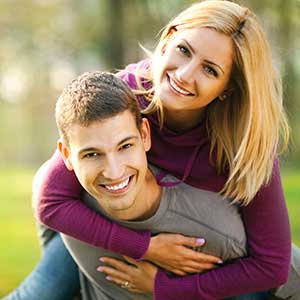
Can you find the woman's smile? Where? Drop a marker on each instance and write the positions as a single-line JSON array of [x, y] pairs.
[[178, 89], [195, 65]]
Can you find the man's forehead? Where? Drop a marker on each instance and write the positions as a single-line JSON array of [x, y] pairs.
[[105, 133]]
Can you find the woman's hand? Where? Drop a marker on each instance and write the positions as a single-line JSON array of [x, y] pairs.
[[135, 276], [177, 253]]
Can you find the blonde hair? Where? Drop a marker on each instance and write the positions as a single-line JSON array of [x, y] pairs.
[[245, 129]]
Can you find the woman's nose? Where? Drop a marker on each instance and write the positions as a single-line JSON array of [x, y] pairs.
[[186, 73]]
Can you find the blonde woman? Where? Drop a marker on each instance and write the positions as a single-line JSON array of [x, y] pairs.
[[213, 99]]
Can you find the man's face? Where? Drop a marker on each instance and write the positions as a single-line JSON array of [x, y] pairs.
[[109, 160]]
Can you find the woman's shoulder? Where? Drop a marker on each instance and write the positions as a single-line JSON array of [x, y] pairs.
[[133, 72]]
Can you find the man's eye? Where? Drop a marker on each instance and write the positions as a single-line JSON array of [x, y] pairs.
[[91, 155], [211, 71], [184, 50], [126, 146]]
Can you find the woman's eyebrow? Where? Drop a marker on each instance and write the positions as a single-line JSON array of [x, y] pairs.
[[212, 63], [206, 60]]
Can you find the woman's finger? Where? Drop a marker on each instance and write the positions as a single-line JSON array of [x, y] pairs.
[[196, 255], [114, 274], [178, 272], [197, 266], [119, 278], [117, 264], [206, 258], [188, 267], [131, 260]]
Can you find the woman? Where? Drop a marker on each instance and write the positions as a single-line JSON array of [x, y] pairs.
[[215, 106]]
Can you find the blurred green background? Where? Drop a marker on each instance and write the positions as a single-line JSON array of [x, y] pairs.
[[46, 43]]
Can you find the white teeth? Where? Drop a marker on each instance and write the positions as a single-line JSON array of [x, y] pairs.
[[177, 88], [117, 186]]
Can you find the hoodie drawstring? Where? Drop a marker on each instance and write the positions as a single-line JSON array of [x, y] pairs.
[[160, 176]]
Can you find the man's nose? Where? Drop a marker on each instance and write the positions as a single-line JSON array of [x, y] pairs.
[[114, 168]]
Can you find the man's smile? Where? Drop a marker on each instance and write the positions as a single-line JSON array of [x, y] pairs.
[[118, 188]]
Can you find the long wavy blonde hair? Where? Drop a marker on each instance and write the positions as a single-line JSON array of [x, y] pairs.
[[248, 129]]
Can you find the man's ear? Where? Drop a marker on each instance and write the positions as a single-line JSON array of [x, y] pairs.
[[146, 134], [65, 154]]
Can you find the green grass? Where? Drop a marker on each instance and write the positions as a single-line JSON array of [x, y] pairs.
[[19, 250], [291, 186]]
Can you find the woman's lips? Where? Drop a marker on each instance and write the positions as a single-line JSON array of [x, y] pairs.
[[177, 88]]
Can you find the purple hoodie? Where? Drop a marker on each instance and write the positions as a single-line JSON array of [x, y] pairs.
[[265, 218]]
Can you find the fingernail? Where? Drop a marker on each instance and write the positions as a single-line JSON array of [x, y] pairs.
[[108, 278], [100, 269], [200, 241], [220, 262], [102, 259]]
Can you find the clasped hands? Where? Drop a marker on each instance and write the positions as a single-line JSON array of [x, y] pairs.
[[173, 252]]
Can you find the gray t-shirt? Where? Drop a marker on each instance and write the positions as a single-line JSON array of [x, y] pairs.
[[183, 209]]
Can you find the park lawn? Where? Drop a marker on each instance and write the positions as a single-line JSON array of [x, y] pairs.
[[291, 186], [19, 250]]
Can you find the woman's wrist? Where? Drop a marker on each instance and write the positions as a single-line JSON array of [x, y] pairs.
[[150, 250]]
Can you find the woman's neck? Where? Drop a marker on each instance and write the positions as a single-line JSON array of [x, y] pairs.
[[182, 121]]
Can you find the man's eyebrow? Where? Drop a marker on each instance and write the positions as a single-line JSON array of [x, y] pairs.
[[88, 149], [131, 137], [93, 149], [206, 60]]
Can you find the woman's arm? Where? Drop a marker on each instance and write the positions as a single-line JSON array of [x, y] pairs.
[[60, 208], [267, 266]]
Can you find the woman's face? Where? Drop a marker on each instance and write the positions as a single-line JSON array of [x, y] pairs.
[[194, 68]]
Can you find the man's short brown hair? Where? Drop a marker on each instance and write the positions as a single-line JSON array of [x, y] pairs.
[[91, 97]]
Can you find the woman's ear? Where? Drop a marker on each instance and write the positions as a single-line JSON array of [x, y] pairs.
[[222, 97], [226, 93]]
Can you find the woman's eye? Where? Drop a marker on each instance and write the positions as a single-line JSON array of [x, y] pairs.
[[184, 50], [210, 71]]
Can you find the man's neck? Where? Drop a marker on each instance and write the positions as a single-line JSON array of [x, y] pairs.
[[146, 202], [150, 197]]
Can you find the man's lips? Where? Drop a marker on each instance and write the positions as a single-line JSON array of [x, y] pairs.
[[177, 88], [117, 188]]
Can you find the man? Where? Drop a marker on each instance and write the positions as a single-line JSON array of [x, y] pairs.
[[105, 140]]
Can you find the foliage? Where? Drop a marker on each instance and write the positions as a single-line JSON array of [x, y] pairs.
[[45, 44]]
